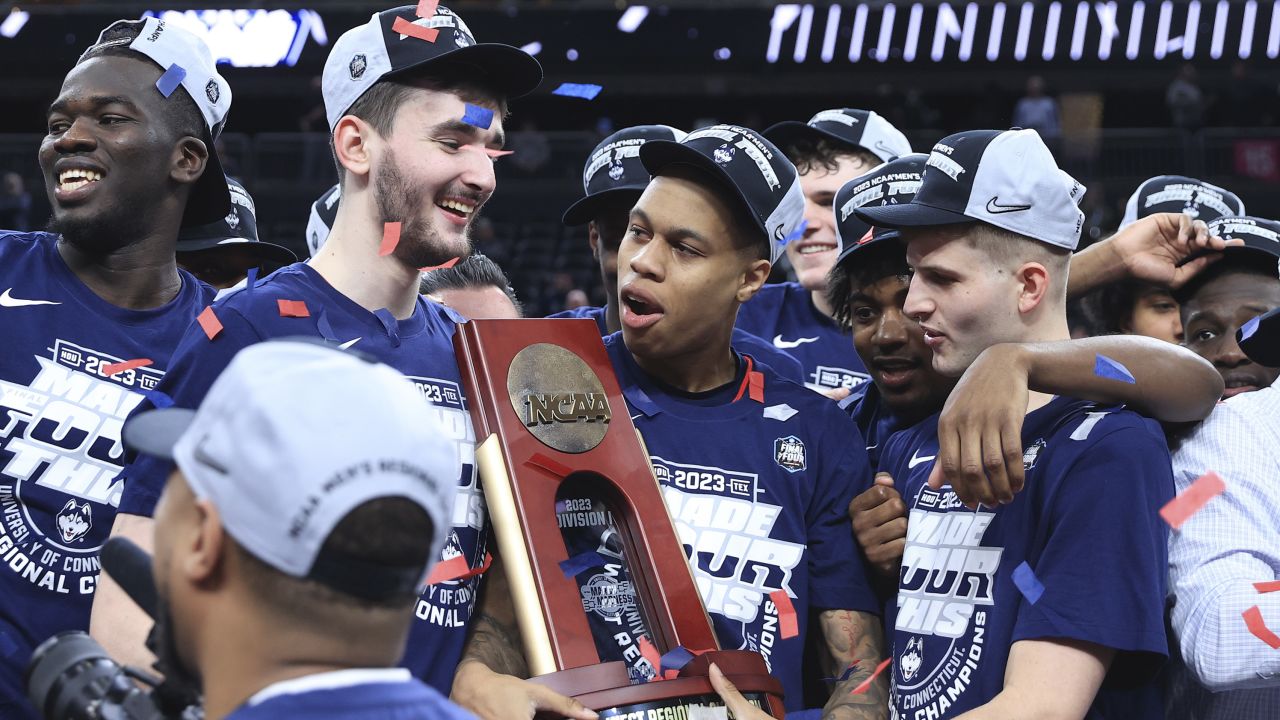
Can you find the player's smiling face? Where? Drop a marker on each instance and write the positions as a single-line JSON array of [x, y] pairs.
[[432, 173], [1213, 315], [109, 153], [681, 275], [815, 252]]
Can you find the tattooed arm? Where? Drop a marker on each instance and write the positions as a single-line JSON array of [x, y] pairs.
[[854, 638]]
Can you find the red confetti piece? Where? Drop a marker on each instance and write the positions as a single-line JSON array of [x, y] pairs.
[[498, 153], [293, 308], [755, 386], [112, 368], [450, 569], [444, 266], [427, 8], [1266, 587], [390, 238], [1191, 500], [650, 653], [209, 322], [1253, 619], [788, 627], [551, 465], [404, 27], [866, 684]]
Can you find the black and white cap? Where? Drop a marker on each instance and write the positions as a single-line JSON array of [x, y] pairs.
[[855, 129], [1178, 194], [1260, 339], [177, 50], [753, 168], [893, 183], [1004, 178], [324, 211], [614, 169], [376, 50], [238, 229], [1261, 237]]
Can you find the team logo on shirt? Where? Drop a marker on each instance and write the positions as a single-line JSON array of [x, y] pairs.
[[912, 658], [788, 452], [74, 521]]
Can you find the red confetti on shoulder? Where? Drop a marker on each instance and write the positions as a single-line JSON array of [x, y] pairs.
[[1190, 501], [404, 27], [112, 368], [866, 684], [209, 322], [1253, 620], [1266, 587], [444, 266], [390, 238], [293, 308], [788, 626]]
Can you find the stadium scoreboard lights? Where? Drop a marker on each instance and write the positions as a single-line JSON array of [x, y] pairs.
[[932, 32], [251, 38]]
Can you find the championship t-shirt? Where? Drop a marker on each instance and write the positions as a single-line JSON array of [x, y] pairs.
[[420, 347], [757, 492], [781, 362], [408, 700], [1088, 528], [61, 411], [872, 417], [784, 314]]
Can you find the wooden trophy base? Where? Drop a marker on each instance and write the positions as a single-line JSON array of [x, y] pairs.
[[607, 689]]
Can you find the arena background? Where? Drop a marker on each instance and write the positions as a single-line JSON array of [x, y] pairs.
[[932, 68]]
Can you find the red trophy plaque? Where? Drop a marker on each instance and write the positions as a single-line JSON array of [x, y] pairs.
[[551, 423]]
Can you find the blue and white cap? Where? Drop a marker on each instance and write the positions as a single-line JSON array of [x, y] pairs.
[[852, 128], [1003, 178], [893, 183], [1179, 194], [614, 169], [753, 168]]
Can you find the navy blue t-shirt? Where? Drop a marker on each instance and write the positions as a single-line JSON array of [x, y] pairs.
[[758, 494], [421, 347], [782, 363], [873, 419], [409, 700], [1087, 525], [784, 314], [60, 451]]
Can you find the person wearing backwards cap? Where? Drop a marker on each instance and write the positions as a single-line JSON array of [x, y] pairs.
[[414, 125], [613, 180], [1223, 298], [126, 166], [832, 148], [1063, 585], [221, 253], [700, 241], [293, 532]]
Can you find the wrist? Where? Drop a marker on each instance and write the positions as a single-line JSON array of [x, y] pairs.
[[469, 677]]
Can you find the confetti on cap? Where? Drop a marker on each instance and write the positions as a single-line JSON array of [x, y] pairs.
[[1248, 329], [866, 684], [788, 627], [1253, 620], [799, 233], [158, 399], [1030, 586], [1267, 587], [1189, 501], [551, 465], [171, 79], [390, 238], [404, 27], [209, 322], [580, 562], [443, 266], [1105, 367], [110, 369], [427, 8], [586, 91], [480, 117], [650, 653], [293, 308]]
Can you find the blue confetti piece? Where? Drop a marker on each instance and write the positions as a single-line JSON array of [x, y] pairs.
[[251, 280], [171, 79], [561, 506], [389, 324], [158, 398], [586, 91], [1027, 582], [1249, 328], [674, 660], [799, 233], [844, 675], [478, 116], [1105, 367], [580, 562], [326, 329]]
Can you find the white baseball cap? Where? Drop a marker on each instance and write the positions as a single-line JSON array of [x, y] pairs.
[[291, 438], [852, 128]]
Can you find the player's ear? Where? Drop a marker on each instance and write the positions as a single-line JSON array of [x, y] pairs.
[[190, 156], [593, 239], [1033, 286], [351, 138], [208, 547], [753, 279]]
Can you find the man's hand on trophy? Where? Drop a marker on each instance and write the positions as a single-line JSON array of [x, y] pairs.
[[494, 696], [739, 707]]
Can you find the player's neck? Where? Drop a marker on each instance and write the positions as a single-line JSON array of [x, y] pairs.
[[611, 320], [819, 300], [139, 276], [349, 261], [703, 368]]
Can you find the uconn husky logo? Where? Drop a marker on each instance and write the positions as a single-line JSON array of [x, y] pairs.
[[74, 521], [912, 658]]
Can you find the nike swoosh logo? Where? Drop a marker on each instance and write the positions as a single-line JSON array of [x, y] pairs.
[[9, 301], [916, 460], [778, 342], [349, 343], [995, 208]]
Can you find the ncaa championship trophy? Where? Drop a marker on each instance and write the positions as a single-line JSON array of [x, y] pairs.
[[553, 432]]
